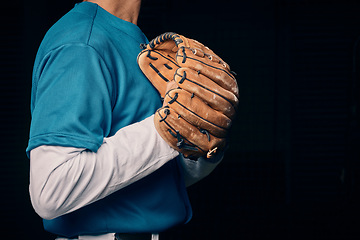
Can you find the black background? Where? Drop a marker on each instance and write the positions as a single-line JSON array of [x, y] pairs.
[[292, 170]]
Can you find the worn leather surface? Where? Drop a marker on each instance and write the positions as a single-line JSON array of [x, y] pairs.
[[202, 101]]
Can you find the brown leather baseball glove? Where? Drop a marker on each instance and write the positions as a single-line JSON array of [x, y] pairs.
[[199, 90]]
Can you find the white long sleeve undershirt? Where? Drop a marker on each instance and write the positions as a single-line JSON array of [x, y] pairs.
[[64, 179]]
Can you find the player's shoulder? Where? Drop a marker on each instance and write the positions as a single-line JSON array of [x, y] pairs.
[[73, 28]]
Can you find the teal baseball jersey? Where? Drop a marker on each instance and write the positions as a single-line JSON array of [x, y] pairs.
[[86, 86]]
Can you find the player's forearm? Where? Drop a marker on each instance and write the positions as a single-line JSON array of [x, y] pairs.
[[63, 179]]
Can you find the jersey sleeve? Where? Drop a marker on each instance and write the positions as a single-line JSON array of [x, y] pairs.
[[72, 98]]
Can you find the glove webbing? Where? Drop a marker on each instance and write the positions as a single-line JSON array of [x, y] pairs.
[[164, 37]]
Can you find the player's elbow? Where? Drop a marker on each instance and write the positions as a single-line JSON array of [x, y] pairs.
[[44, 206]]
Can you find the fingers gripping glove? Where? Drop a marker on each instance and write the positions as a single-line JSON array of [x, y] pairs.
[[196, 114]]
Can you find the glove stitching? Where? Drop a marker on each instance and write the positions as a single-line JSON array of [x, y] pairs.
[[184, 145], [172, 60], [202, 86], [221, 69], [151, 57], [159, 73], [198, 116]]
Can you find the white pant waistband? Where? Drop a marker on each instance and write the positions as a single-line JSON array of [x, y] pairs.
[[113, 236]]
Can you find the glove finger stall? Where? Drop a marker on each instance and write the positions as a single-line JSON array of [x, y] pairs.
[[218, 72], [197, 112], [183, 136], [203, 87]]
